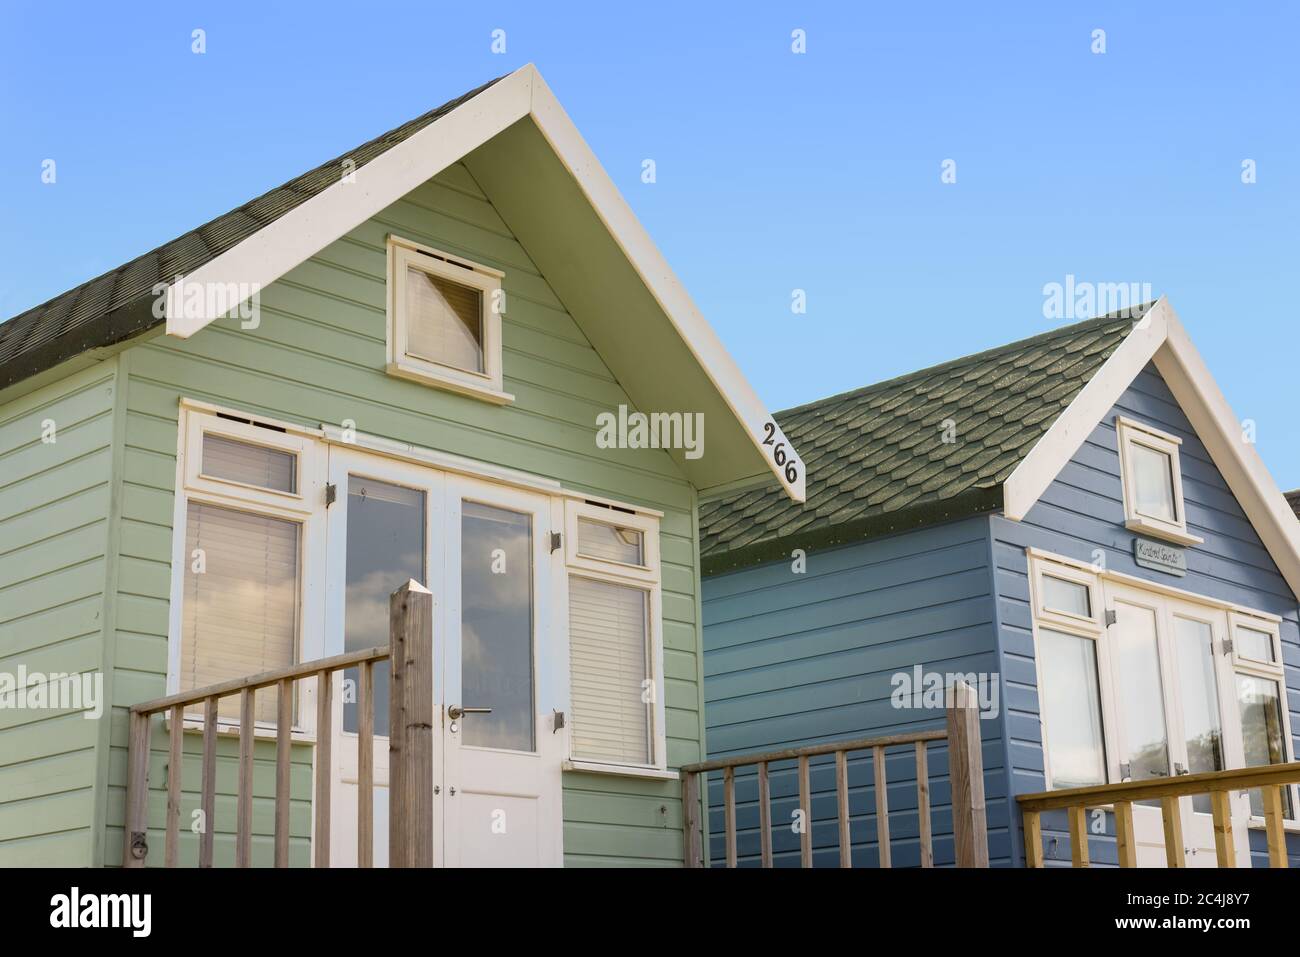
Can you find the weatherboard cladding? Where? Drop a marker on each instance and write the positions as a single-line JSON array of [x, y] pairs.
[[876, 458], [1082, 511], [118, 304]]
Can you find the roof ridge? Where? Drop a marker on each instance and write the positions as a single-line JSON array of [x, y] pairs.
[[452, 103], [1072, 329]]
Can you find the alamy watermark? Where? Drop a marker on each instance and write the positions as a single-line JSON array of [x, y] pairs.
[[654, 430], [53, 691], [1073, 299], [186, 299], [919, 689]]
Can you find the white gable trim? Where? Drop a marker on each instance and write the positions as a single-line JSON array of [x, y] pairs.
[[1165, 342], [272, 251]]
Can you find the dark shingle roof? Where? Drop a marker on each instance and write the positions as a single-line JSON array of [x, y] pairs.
[[1293, 499], [118, 304], [876, 458]]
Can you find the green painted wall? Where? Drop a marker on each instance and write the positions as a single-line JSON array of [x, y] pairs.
[[55, 516], [318, 356]]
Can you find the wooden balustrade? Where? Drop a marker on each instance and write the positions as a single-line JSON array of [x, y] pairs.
[[410, 744], [1272, 781], [966, 776]]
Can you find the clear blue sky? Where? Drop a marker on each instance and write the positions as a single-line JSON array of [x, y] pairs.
[[775, 171]]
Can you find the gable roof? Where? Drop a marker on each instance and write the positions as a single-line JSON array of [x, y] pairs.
[[877, 456], [107, 309], [582, 234], [1021, 413]]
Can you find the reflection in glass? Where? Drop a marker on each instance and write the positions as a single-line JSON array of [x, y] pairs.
[[1261, 729], [445, 321], [1193, 641], [1067, 597], [496, 626], [1254, 644], [1071, 710], [1153, 482], [1141, 695], [385, 549]]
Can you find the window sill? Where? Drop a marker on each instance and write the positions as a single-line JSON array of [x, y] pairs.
[[1258, 824], [1157, 531], [622, 770], [437, 380]]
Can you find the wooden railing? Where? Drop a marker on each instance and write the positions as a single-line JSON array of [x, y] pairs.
[[966, 776], [1271, 780], [410, 750]]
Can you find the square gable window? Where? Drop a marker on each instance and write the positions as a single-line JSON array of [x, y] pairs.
[[1152, 482], [444, 321]]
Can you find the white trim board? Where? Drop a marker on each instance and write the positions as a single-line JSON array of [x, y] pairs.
[[1160, 338], [272, 251]]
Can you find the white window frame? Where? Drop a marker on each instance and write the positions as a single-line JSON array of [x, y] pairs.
[[646, 579], [305, 506], [1226, 666], [488, 384], [1130, 432]]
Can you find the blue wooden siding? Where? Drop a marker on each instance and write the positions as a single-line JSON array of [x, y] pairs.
[[794, 659], [1083, 511]]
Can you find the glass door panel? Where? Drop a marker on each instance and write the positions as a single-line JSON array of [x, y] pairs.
[[1202, 730], [1140, 688]]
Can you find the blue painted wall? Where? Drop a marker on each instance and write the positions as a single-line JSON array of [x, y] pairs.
[[1082, 511], [795, 659]]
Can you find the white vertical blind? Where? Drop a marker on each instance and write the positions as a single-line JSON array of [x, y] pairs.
[[610, 542], [240, 611], [444, 321], [609, 651]]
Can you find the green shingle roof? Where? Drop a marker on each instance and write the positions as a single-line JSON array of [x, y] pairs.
[[876, 458]]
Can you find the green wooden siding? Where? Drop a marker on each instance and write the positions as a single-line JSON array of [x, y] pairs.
[[318, 356], [55, 507]]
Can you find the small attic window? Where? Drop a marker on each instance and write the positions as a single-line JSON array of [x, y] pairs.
[[1152, 482], [444, 321]]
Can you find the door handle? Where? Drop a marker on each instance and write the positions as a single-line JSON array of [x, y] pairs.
[[455, 711]]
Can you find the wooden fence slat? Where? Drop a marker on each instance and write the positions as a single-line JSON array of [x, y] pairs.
[[244, 814], [283, 746], [324, 769], [729, 805], [842, 805], [923, 805], [693, 843], [135, 847], [1033, 839], [1172, 818], [1125, 835], [1078, 816], [765, 813], [882, 808], [175, 764], [1221, 808], [411, 727], [805, 805], [1273, 826], [365, 766], [209, 799]]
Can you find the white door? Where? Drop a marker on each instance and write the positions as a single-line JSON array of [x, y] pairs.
[[1167, 711], [392, 521], [502, 753]]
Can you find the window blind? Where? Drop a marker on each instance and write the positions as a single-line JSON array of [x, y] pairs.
[[240, 611], [609, 652], [251, 464], [444, 321]]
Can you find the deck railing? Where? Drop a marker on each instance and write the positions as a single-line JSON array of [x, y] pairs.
[[1271, 780], [410, 750], [966, 776]]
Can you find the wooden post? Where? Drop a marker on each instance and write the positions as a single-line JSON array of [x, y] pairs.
[[1033, 839], [208, 801], [1221, 807], [324, 768], [175, 756], [1172, 816], [365, 766], [765, 814], [842, 805], [283, 744], [805, 805], [966, 773], [244, 809], [410, 743], [692, 837], [883, 849], [136, 846], [923, 805], [1273, 810], [1125, 836], [729, 813], [1078, 816]]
